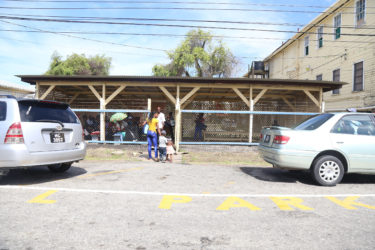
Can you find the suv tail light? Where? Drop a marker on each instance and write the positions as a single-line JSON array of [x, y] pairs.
[[281, 139], [14, 134]]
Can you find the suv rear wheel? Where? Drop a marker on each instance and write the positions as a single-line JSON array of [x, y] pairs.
[[327, 170], [59, 168]]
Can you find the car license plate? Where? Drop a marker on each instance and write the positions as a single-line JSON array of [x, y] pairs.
[[267, 138], [57, 137]]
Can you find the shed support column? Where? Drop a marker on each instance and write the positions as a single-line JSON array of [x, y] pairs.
[[37, 88], [178, 120], [102, 115], [251, 121]]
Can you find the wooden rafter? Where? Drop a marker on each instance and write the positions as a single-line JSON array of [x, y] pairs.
[[312, 97], [93, 90], [73, 98], [257, 98], [50, 88], [188, 95], [242, 96], [288, 103], [167, 94], [114, 94]]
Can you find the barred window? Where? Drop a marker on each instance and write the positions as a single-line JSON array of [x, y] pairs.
[[360, 12], [358, 77], [336, 78], [319, 77], [307, 46], [320, 37], [337, 26]]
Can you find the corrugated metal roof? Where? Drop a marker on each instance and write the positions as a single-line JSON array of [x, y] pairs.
[[17, 87]]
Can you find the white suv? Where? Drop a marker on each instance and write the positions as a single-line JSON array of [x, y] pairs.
[[38, 132]]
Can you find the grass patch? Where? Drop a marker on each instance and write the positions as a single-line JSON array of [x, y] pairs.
[[224, 158], [107, 154]]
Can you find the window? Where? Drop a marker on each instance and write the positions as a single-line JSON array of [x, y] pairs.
[[320, 37], [336, 78], [34, 111], [319, 77], [306, 46], [355, 125], [360, 12], [337, 26], [3, 111], [358, 77], [314, 122]]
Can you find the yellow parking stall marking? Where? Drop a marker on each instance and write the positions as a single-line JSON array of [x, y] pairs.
[[236, 202], [109, 172], [287, 203], [349, 202], [42, 198], [168, 200]]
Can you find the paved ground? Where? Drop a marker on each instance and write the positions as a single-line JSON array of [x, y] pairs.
[[147, 205]]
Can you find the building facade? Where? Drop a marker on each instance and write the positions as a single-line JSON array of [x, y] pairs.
[[338, 45]]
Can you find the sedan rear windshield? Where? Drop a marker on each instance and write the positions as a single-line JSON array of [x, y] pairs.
[[313, 122], [3, 111], [34, 111]]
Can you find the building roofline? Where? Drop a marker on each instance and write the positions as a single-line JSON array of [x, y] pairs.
[[326, 85], [17, 87], [329, 11]]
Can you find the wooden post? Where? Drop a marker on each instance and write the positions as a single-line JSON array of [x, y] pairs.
[[178, 120], [251, 121], [149, 105], [37, 88], [102, 114]]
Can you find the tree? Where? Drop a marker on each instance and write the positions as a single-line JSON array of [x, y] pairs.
[[198, 55], [76, 64]]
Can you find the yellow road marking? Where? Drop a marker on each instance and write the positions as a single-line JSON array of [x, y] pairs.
[[349, 202], [168, 200], [236, 202], [287, 203], [42, 198], [109, 172]]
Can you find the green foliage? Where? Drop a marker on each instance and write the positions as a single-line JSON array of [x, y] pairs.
[[76, 64], [198, 55]]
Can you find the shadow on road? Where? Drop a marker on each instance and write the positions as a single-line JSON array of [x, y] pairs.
[[279, 175], [36, 175]]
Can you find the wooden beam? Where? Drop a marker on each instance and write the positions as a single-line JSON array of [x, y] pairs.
[[188, 95], [166, 92], [312, 98], [257, 98], [242, 96], [189, 101], [93, 90], [114, 94], [45, 94], [288, 103], [73, 98]]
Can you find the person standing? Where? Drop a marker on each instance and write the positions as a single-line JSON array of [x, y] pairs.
[[161, 118], [153, 130], [169, 124], [199, 127], [163, 146]]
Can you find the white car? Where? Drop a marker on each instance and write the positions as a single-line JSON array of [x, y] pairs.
[[38, 132], [328, 145]]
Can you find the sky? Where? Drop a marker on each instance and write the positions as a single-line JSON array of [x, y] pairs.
[[23, 53]]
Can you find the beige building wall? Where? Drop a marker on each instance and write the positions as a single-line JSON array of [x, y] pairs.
[[290, 61]]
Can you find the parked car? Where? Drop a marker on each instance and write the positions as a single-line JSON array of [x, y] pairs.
[[328, 145], [38, 132]]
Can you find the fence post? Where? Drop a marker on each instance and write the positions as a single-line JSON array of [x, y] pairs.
[[178, 120], [251, 121], [102, 115]]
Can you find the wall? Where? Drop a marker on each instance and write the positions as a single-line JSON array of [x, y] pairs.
[[341, 54]]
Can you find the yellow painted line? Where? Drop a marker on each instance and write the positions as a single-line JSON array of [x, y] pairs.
[[109, 172], [42, 198]]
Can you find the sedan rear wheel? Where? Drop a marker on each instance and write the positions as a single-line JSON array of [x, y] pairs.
[[59, 168], [328, 170]]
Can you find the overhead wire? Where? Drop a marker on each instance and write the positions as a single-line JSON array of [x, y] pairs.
[[178, 26]]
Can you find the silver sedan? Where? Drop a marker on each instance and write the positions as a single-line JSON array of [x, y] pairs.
[[328, 145]]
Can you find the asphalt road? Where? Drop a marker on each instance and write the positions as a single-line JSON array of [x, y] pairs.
[[147, 205]]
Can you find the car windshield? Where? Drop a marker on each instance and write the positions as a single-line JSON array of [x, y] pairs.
[[313, 122], [33, 111], [3, 111]]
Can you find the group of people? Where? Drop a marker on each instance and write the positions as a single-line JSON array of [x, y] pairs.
[[155, 127]]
